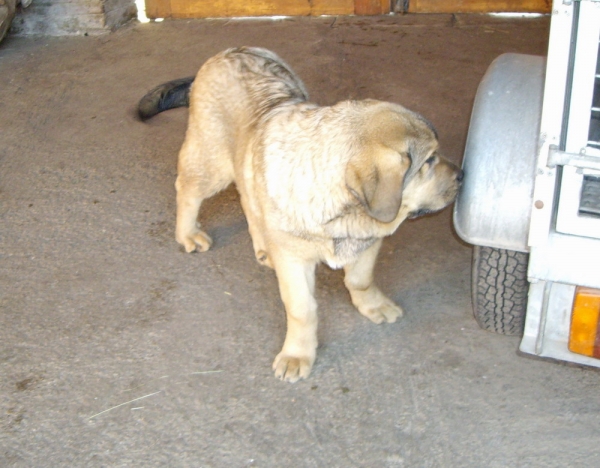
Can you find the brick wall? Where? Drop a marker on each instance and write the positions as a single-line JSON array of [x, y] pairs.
[[72, 17]]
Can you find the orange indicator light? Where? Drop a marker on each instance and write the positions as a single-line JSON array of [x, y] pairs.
[[584, 337]]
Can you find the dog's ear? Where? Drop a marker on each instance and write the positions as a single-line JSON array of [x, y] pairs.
[[376, 179]]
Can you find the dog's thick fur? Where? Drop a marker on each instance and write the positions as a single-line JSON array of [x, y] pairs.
[[317, 184]]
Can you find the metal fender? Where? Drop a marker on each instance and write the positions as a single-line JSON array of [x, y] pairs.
[[493, 208]]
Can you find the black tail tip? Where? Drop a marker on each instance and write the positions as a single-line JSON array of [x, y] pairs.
[[164, 97], [147, 108]]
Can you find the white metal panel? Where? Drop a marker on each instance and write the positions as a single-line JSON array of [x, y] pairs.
[[586, 53], [567, 259], [551, 123]]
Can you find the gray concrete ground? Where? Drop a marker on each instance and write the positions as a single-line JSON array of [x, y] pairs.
[[118, 349]]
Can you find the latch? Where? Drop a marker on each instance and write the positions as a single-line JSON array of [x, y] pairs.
[[580, 160]]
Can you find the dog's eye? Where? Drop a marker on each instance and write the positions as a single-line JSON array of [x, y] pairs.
[[430, 161]]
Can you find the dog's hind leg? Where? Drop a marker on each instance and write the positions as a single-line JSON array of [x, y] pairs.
[[197, 179], [366, 296]]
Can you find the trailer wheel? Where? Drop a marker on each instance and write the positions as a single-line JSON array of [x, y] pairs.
[[499, 288]]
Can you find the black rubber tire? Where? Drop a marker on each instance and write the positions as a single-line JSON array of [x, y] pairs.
[[499, 288]]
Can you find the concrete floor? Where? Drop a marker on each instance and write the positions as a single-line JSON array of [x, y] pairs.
[[117, 349]]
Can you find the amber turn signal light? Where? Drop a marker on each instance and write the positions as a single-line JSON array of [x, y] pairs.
[[584, 337]]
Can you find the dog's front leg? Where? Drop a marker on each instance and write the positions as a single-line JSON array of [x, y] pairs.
[[296, 285], [366, 296]]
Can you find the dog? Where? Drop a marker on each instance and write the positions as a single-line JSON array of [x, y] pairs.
[[316, 183]]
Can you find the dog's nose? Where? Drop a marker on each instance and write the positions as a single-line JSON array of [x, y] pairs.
[[460, 175]]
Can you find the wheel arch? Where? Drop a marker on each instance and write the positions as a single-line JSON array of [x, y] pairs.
[[494, 206]]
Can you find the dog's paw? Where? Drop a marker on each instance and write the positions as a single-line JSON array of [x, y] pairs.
[[198, 240], [291, 369], [387, 311]]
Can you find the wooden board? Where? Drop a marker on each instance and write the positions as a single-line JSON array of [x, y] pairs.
[[479, 6], [230, 8], [372, 7]]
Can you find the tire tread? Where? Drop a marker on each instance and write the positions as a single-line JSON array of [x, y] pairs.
[[500, 289]]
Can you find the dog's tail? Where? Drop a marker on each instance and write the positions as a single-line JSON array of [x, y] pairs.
[[166, 96]]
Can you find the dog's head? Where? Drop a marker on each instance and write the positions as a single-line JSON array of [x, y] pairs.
[[396, 171]]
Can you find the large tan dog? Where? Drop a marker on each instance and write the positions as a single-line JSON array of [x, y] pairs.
[[317, 184]]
